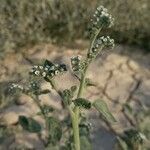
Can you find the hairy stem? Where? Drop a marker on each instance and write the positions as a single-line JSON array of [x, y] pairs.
[[94, 39], [75, 113], [75, 126], [75, 118]]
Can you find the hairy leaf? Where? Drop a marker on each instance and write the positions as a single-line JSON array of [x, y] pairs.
[[84, 129], [134, 136], [67, 96], [48, 63], [122, 144], [47, 109], [127, 108], [46, 91], [73, 89], [101, 106], [88, 82], [81, 102], [29, 124], [55, 130], [85, 143], [52, 147]]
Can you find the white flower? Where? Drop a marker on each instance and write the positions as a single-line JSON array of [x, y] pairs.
[[35, 66], [73, 62], [44, 74], [41, 67], [37, 72], [96, 12], [56, 72], [46, 69], [52, 74], [52, 68], [97, 46]]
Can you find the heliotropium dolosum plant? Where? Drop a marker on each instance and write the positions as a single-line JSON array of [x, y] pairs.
[[72, 97]]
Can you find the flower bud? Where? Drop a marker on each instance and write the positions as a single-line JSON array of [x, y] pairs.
[[100, 19], [77, 64]]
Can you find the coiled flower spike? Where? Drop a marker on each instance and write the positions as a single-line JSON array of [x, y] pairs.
[[48, 70], [77, 64], [100, 42], [102, 18]]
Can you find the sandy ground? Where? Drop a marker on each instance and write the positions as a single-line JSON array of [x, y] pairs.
[[122, 76]]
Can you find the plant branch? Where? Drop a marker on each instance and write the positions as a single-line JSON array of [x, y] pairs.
[[75, 118]]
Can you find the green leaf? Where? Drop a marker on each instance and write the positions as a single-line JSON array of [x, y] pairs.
[[47, 79], [48, 63], [73, 89], [46, 91], [88, 82], [85, 143], [127, 108], [81, 102], [55, 130], [29, 124], [84, 129], [67, 96], [122, 144], [134, 136], [47, 109], [101, 106], [52, 147]]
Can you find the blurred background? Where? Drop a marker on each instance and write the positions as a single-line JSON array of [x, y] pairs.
[[32, 30], [28, 22]]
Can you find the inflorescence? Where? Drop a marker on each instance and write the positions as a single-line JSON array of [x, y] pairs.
[[33, 86], [77, 64], [48, 70], [102, 18], [71, 97], [15, 86], [100, 42]]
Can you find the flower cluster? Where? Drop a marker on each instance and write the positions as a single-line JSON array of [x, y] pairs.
[[134, 136], [77, 64], [15, 87], [102, 18], [106, 41], [48, 70], [34, 87], [100, 42]]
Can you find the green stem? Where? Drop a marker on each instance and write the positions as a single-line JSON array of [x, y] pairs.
[[94, 38], [53, 84], [75, 117], [81, 87], [75, 126], [75, 113]]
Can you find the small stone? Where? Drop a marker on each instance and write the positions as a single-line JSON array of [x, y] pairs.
[[9, 118], [133, 65], [28, 141], [117, 90], [22, 99]]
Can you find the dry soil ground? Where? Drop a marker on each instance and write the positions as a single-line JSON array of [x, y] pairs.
[[122, 75]]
